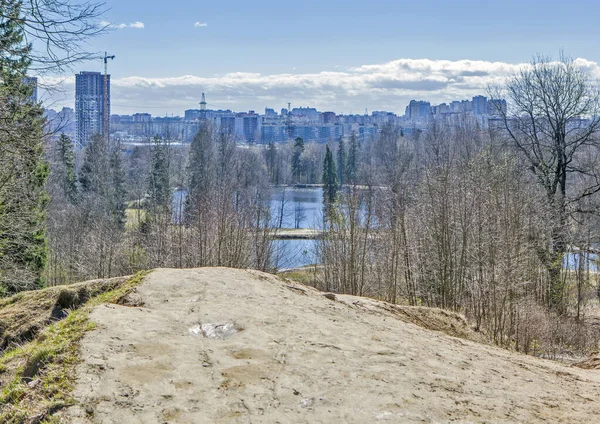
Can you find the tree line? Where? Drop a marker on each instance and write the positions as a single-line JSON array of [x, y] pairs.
[[498, 223]]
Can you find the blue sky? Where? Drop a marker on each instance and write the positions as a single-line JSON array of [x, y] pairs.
[[249, 55]]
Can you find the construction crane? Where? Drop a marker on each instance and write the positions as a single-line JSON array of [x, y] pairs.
[[106, 115]]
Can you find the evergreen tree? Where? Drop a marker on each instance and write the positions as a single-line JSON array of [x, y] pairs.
[[330, 182], [117, 189], [94, 170], [159, 186], [352, 162], [199, 170], [102, 181], [226, 152], [271, 163], [297, 166], [23, 171], [341, 159], [63, 167]]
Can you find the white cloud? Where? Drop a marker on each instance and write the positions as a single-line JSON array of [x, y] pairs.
[[136, 25], [200, 24], [386, 86]]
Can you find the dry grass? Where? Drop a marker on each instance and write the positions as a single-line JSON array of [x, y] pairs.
[[309, 275], [38, 375], [450, 323], [23, 315]]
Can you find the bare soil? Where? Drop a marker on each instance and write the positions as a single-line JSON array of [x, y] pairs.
[[217, 345]]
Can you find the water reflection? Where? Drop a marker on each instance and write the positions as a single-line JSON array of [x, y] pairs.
[[296, 207], [290, 208]]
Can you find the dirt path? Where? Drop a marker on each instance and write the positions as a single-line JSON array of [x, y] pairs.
[[299, 357]]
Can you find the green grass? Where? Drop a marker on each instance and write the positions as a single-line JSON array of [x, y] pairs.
[[306, 276], [39, 376]]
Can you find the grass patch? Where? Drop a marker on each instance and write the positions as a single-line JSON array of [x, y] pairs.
[[307, 276], [25, 314], [133, 217], [38, 376]]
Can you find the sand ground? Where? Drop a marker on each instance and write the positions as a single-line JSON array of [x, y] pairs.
[[299, 357]]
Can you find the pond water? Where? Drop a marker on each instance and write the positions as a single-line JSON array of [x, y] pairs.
[[290, 208], [590, 261], [303, 208], [295, 208]]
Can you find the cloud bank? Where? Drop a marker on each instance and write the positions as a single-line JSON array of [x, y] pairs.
[[200, 24], [387, 86], [135, 25]]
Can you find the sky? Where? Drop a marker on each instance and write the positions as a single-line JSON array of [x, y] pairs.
[[343, 56]]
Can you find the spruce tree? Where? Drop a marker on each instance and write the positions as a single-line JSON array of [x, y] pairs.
[[63, 168], [199, 170], [341, 159], [23, 171], [271, 163], [330, 182], [159, 186], [352, 162], [297, 168], [94, 170], [102, 181], [117, 189]]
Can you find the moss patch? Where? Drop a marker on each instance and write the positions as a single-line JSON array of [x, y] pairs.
[[37, 377], [25, 314], [307, 275]]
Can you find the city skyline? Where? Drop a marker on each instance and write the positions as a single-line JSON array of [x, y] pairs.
[[308, 123], [335, 55], [389, 87]]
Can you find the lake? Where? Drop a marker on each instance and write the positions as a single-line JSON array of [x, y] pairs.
[[290, 208], [295, 208]]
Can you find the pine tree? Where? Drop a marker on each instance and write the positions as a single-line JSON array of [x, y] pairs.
[[23, 171], [330, 182], [341, 159], [352, 162]]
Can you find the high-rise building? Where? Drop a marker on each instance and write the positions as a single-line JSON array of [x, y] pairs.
[[329, 117], [89, 105], [417, 110], [480, 105]]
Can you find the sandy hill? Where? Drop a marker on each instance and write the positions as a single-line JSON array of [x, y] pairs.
[[218, 345]]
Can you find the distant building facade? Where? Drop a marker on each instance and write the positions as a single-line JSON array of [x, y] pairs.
[[496, 107], [89, 105], [479, 105], [418, 110]]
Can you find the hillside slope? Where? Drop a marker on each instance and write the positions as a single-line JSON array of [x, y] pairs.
[[285, 353]]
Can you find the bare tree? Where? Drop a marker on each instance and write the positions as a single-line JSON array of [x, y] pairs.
[[57, 30], [552, 121]]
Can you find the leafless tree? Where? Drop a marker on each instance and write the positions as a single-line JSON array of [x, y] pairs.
[[58, 29], [553, 121]]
